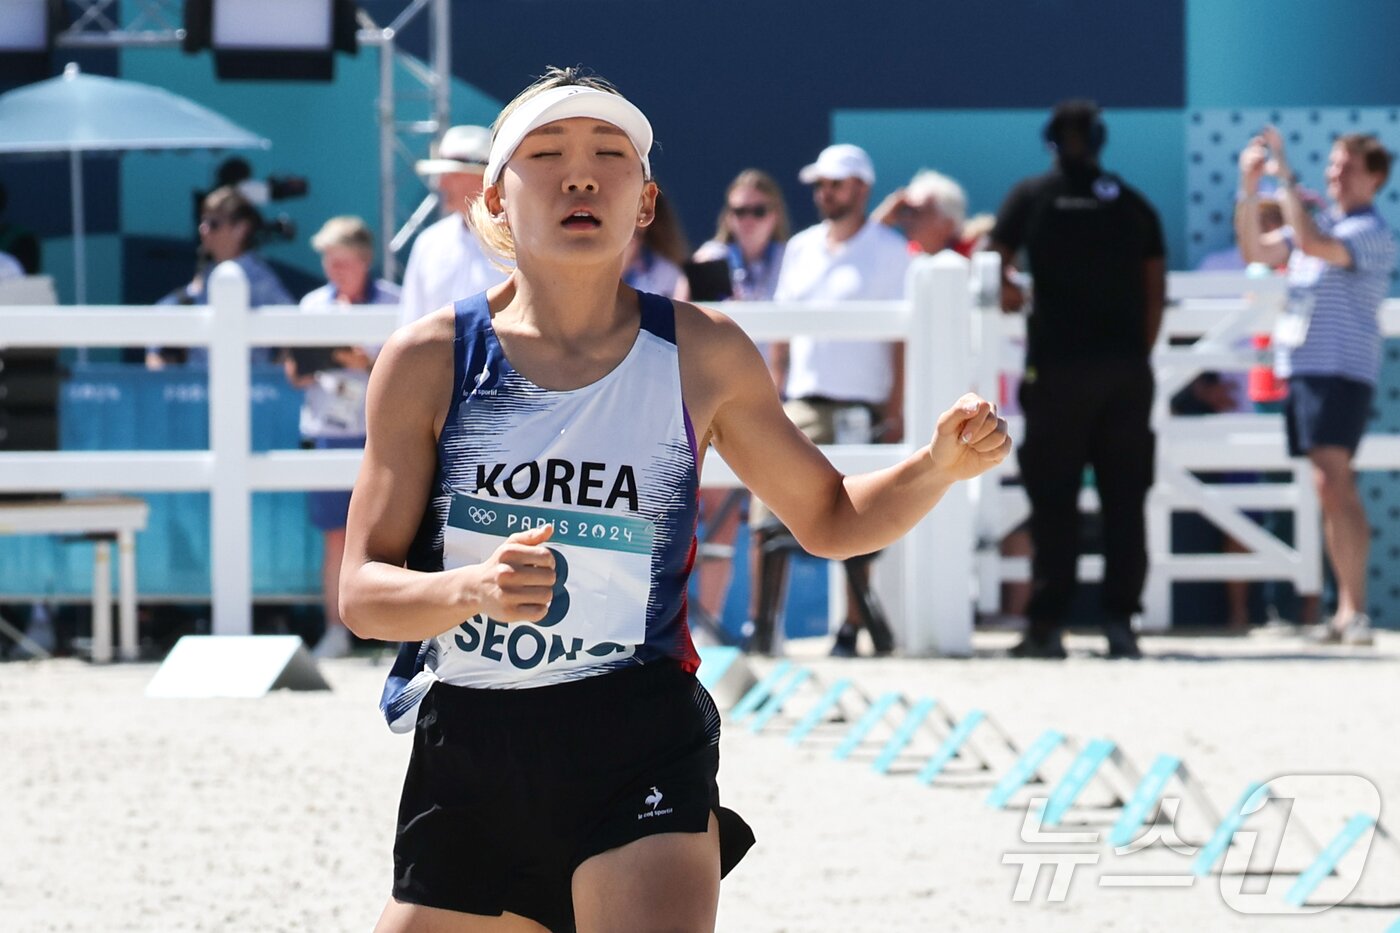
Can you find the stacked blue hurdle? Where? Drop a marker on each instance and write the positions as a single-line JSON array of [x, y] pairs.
[[1137, 795]]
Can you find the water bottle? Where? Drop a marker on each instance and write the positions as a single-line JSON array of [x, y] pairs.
[[1264, 386]]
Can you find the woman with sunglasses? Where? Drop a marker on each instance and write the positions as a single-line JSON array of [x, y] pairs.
[[523, 520], [750, 236]]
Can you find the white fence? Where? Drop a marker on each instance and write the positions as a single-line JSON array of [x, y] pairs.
[[948, 563], [1207, 326], [936, 559]]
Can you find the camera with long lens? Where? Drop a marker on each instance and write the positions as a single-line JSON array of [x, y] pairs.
[[260, 192], [278, 229]]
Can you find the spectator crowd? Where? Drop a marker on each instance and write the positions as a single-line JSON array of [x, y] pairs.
[[1093, 250]]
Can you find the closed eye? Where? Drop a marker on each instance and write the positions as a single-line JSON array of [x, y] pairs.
[[544, 154], [611, 152]]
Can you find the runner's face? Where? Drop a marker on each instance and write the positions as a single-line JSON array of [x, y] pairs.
[[574, 191]]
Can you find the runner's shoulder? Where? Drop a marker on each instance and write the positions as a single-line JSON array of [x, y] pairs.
[[709, 332], [422, 341], [417, 358]]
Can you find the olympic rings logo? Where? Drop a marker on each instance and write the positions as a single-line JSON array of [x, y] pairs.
[[481, 516]]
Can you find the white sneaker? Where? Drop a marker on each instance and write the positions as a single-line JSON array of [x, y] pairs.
[[1357, 631], [1323, 633], [335, 643]]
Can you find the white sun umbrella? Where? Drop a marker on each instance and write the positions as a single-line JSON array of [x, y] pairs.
[[78, 113]]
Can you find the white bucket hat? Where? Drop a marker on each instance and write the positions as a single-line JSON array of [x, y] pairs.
[[463, 149]]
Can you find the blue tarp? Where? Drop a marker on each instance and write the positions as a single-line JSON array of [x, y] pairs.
[[124, 407]]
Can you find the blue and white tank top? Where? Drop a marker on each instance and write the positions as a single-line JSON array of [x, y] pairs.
[[612, 465]]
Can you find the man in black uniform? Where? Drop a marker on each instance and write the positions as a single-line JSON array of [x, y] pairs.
[[1097, 260]]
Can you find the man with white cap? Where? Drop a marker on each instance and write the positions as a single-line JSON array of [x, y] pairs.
[[846, 391], [447, 262]]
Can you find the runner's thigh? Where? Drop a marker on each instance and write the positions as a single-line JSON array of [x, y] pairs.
[[668, 881], [400, 917]]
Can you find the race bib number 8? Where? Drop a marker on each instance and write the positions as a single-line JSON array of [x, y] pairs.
[[598, 609]]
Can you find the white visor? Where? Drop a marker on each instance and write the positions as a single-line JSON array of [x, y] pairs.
[[561, 103]]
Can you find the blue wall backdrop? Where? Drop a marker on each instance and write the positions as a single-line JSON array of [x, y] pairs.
[[983, 148], [959, 87], [734, 83], [1290, 53], [1214, 138]]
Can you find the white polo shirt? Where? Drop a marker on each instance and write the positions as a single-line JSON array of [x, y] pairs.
[[869, 266], [446, 264]]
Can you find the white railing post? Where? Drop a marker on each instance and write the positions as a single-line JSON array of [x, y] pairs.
[[1157, 588], [985, 287], [1307, 530], [129, 637], [230, 504], [102, 602], [939, 550]]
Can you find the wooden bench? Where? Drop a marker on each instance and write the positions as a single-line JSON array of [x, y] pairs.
[[104, 520]]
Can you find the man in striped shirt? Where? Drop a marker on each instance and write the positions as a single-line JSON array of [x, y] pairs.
[[1328, 342]]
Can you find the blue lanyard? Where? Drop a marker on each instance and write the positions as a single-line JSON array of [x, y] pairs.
[[739, 270]]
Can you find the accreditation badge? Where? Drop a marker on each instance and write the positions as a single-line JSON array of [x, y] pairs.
[[1291, 328]]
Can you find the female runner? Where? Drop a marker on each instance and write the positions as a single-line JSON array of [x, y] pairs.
[[524, 520]]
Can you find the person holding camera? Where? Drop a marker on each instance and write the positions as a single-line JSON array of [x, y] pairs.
[[228, 232], [1098, 264], [1327, 343]]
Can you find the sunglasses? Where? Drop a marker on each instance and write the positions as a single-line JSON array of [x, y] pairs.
[[756, 211]]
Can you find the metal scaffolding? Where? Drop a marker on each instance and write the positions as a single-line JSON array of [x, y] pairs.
[[410, 119]]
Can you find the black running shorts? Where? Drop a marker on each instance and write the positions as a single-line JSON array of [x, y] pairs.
[[509, 791]]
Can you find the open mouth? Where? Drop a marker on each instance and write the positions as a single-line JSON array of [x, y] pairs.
[[581, 220]]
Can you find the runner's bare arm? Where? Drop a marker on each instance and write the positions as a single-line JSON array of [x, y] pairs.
[[409, 393], [734, 403]]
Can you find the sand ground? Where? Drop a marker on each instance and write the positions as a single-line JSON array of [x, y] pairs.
[[123, 813]]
